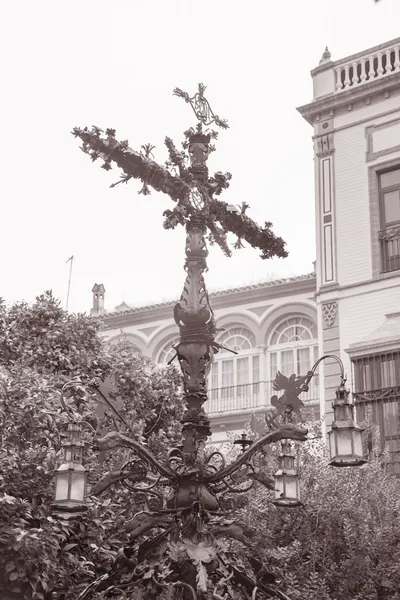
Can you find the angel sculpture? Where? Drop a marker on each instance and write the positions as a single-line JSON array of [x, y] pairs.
[[289, 402]]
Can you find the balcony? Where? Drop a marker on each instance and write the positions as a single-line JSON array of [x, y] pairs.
[[383, 406], [389, 240], [359, 69], [333, 78], [250, 397]]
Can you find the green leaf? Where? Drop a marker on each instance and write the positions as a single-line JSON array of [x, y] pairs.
[[69, 547]]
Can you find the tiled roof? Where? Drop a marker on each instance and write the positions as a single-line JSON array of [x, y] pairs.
[[225, 292]]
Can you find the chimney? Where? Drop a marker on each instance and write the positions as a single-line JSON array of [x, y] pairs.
[[98, 291]]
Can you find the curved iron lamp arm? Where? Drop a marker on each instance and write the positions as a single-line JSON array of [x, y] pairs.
[[287, 432], [311, 373], [114, 439]]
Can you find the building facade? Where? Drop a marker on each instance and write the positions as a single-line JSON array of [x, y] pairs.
[[263, 328], [350, 306], [355, 115]]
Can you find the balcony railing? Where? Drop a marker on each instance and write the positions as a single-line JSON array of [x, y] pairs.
[[363, 68], [389, 240], [250, 396], [383, 406]]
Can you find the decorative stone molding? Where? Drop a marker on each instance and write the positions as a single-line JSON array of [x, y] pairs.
[[377, 148], [325, 144], [329, 310]]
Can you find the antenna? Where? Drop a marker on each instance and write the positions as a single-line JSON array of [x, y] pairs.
[[71, 260]]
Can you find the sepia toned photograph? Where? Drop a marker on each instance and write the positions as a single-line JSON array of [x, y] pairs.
[[200, 300]]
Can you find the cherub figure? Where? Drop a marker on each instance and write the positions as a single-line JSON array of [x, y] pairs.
[[289, 402]]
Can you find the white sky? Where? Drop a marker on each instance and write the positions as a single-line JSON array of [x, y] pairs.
[[115, 64]]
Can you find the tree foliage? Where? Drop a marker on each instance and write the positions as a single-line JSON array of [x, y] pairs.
[[43, 348], [344, 542]]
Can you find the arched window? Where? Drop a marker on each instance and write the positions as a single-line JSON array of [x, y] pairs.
[[234, 378], [293, 347], [167, 352]]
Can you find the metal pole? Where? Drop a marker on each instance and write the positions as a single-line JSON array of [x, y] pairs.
[[71, 259]]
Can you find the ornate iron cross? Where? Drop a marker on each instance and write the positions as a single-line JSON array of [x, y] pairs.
[[199, 481]]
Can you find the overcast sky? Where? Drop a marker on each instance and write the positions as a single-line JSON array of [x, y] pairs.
[[115, 64]]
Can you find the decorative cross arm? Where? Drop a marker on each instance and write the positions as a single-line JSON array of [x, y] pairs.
[[193, 189], [134, 165]]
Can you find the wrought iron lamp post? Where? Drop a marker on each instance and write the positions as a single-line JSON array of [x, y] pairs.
[[202, 488]]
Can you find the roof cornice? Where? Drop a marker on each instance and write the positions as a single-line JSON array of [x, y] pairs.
[[338, 100], [221, 299], [373, 347]]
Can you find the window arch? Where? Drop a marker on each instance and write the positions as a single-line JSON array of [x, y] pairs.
[[294, 329], [293, 346], [234, 378], [237, 339], [167, 352]]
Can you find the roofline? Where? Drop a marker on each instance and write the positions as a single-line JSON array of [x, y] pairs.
[[355, 56], [224, 298], [338, 100]]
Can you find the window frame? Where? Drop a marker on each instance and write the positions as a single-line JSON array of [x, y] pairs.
[[384, 190], [295, 346], [382, 401], [376, 220], [173, 341], [238, 396]]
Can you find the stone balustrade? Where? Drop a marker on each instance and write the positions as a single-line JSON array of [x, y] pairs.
[[355, 72], [351, 72]]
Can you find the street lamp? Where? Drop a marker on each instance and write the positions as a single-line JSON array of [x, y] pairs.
[[203, 490], [345, 437], [287, 486], [71, 476]]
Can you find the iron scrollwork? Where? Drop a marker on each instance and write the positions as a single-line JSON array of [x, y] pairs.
[[194, 489]]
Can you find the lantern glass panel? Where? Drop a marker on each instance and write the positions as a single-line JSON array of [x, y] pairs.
[[78, 486], [279, 487], [332, 445], [292, 488], [358, 442], [344, 442], [68, 454], [62, 485]]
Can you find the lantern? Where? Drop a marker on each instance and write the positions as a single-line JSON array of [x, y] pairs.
[[287, 488], [71, 476], [345, 437]]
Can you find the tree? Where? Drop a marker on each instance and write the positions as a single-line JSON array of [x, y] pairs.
[[42, 350], [344, 543]]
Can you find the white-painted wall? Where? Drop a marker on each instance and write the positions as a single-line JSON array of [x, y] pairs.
[[364, 311], [353, 225], [363, 300]]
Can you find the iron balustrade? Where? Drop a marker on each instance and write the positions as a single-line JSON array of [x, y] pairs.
[[389, 240], [382, 407], [249, 396]]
